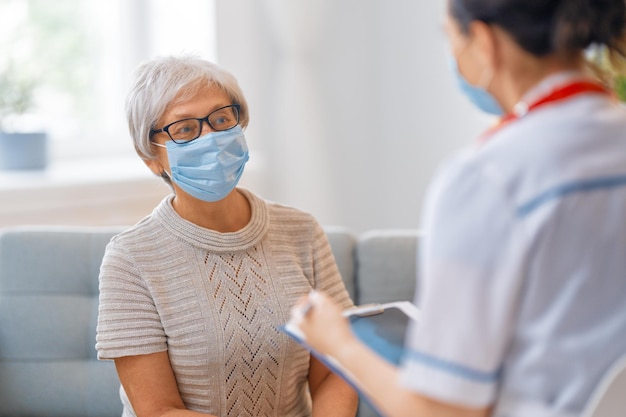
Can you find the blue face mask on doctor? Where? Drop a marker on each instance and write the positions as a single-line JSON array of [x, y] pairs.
[[209, 167], [476, 94]]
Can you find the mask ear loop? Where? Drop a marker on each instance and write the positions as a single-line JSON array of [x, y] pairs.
[[167, 178], [164, 174]]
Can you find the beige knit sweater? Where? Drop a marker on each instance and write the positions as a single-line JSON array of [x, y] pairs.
[[214, 302]]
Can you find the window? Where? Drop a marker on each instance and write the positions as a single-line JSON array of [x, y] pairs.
[[78, 57]]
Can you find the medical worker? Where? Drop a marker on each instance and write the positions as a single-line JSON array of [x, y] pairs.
[[523, 262]]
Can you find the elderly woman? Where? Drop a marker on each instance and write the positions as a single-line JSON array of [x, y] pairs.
[[191, 296], [523, 258]]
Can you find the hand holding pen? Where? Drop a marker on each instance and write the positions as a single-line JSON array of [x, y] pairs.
[[321, 322]]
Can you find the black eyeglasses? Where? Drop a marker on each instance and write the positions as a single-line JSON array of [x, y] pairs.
[[185, 130]]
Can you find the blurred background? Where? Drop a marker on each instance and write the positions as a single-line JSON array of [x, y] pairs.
[[353, 106]]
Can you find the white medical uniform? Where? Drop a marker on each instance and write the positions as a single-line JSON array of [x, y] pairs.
[[523, 263]]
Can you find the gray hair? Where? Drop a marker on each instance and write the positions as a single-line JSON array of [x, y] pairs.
[[164, 81]]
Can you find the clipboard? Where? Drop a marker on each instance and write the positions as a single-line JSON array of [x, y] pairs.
[[382, 327]]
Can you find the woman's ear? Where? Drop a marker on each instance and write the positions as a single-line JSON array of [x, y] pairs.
[[155, 166], [159, 162], [485, 44]]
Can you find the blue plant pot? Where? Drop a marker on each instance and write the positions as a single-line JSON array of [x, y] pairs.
[[23, 151]]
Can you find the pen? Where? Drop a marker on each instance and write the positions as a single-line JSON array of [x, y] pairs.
[[308, 305], [306, 308]]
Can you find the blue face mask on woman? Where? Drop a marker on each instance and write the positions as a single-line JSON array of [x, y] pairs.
[[477, 95], [209, 167]]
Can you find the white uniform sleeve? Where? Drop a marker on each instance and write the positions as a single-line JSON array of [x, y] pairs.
[[470, 265]]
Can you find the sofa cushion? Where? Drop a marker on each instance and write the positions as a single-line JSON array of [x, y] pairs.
[[48, 309]]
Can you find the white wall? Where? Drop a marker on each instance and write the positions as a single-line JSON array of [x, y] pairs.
[[352, 104]]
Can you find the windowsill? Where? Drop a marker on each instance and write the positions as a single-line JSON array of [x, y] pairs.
[[112, 191], [76, 173]]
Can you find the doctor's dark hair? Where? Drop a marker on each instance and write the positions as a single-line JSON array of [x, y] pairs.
[[165, 81], [543, 27]]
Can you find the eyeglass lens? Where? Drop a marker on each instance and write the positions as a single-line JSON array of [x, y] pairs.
[[188, 129]]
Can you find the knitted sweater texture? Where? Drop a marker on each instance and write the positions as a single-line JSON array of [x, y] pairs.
[[214, 302]]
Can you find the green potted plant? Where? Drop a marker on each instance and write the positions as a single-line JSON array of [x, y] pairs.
[[620, 87], [610, 68], [19, 149], [44, 55]]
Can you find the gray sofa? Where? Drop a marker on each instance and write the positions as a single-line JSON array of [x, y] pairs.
[[49, 301]]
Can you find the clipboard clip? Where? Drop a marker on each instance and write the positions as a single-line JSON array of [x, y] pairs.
[[364, 310]]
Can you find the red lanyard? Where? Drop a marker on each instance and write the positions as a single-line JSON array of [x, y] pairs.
[[560, 93]]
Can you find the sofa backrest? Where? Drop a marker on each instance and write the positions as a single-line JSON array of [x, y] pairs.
[[343, 244], [386, 266], [49, 307]]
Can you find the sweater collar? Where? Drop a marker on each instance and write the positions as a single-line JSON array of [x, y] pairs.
[[241, 240]]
